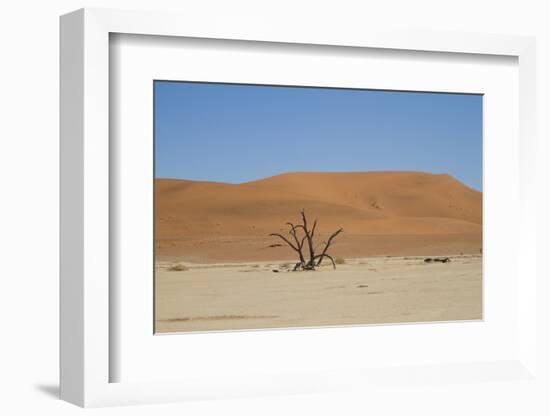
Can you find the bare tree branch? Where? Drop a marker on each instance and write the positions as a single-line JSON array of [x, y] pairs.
[[313, 229], [285, 240], [321, 256], [327, 245], [304, 220], [297, 246], [309, 240]]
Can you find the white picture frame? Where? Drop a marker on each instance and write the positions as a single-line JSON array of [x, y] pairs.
[[86, 292]]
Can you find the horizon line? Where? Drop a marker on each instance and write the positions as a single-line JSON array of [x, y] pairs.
[[319, 172]]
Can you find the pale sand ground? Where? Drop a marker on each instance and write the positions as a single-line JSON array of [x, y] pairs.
[[213, 297]]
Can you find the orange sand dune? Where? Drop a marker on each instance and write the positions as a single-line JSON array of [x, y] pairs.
[[382, 213]]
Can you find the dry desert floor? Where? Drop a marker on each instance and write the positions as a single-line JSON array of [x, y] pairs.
[[370, 290]]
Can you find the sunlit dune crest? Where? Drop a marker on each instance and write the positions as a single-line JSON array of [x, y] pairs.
[[382, 213]]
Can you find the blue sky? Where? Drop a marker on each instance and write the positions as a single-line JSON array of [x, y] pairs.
[[238, 133]]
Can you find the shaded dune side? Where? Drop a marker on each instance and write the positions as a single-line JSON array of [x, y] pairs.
[[382, 213]]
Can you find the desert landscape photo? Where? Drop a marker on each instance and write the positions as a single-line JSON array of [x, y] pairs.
[[264, 220]]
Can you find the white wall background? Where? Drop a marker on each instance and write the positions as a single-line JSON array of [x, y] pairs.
[[29, 204]]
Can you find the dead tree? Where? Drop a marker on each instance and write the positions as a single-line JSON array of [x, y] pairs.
[[302, 235]]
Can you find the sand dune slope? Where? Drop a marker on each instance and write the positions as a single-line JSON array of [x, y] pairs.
[[382, 213]]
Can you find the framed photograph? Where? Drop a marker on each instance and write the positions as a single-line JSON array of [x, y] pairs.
[[350, 183], [266, 211]]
